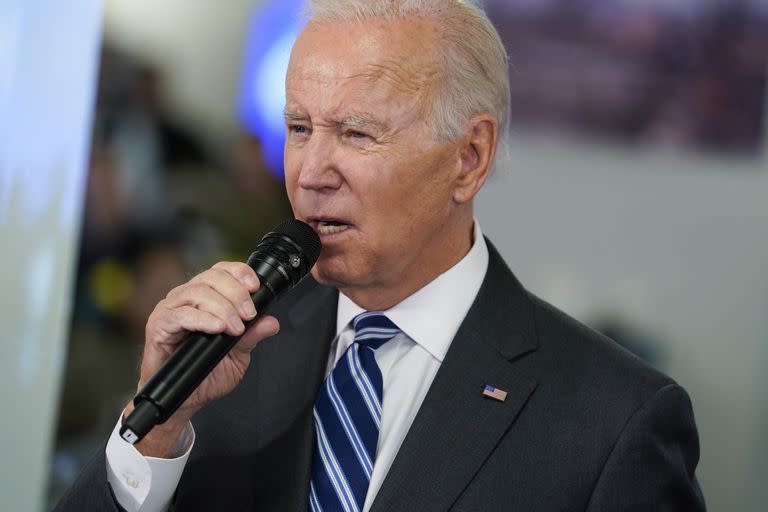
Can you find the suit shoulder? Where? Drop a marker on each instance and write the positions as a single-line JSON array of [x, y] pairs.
[[578, 365], [585, 359]]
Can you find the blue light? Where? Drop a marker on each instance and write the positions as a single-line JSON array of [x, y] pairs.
[[272, 31]]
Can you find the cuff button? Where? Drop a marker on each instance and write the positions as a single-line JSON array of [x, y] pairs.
[[131, 481]]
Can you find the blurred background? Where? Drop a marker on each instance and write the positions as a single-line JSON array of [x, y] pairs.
[[634, 197]]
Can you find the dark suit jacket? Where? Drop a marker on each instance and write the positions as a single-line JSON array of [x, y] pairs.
[[585, 426]]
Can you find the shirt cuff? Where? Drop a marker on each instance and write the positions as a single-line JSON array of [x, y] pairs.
[[145, 484]]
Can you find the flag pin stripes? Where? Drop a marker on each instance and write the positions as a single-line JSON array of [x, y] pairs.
[[495, 393]]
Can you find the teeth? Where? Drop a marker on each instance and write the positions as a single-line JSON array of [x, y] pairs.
[[327, 228]]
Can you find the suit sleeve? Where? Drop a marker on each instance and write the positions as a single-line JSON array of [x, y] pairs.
[[91, 491], [154, 479], [652, 465]]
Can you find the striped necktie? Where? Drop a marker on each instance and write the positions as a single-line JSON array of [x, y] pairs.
[[347, 420]]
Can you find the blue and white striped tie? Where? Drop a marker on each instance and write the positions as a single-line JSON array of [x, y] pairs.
[[347, 420]]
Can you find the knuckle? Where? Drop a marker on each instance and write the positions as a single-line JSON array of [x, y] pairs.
[[243, 267], [154, 317], [201, 277], [197, 287], [240, 269], [211, 321], [180, 315], [244, 295], [249, 272], [199, 322], [149, 333], [223, 265], [198, 292], [152, 330], [175, 291], [213, 278]]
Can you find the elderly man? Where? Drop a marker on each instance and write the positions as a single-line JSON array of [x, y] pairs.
[[412, 371]]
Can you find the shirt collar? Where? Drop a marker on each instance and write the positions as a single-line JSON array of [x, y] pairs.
[[432, 316]]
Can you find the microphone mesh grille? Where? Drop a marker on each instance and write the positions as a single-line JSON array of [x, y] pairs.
[[302, 235]]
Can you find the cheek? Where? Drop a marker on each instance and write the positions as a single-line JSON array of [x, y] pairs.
[[421, 196], [401, 215], [291, 175]]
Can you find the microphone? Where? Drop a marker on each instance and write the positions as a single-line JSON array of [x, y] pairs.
[[282, 259]]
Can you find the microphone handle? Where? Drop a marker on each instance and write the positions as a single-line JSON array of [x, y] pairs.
[[181, 374]]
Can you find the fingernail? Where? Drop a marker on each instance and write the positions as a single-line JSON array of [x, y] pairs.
[[235, 323], [251, 281], [248, 309]]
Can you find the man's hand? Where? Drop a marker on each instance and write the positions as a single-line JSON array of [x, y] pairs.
[[215, 301]]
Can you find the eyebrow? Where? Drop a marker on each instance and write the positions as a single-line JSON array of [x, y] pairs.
[[354, 121], [293, 116], [362, 121]]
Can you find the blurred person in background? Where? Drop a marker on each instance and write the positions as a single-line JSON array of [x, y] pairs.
[[146, 228], [242, 201], [492, 399], [121, 296]]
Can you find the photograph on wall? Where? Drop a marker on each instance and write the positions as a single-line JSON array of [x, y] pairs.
[[688, 74]]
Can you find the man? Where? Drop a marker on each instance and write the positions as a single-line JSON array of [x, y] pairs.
[[412, 372]]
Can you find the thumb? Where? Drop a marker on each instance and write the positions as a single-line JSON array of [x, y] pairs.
[[264, 327]]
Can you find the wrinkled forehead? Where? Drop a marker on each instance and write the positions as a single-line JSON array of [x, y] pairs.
[[386, 55]]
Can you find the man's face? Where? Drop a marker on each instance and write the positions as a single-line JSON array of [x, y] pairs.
[[362, 165]]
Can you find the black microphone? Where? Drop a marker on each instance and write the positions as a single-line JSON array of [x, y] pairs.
[[282, 259]]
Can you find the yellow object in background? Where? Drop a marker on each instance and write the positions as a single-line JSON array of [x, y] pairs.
[[110, 285]]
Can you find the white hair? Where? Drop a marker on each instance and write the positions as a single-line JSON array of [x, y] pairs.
[[474, 67]]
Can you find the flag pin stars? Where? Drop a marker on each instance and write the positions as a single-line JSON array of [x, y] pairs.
[[495, 393]]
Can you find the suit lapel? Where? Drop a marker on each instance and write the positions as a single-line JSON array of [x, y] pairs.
[[254, 446], [456, 427], [300, 499], [309, 326]]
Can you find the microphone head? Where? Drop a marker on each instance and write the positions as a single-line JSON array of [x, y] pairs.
[[286, 254], [303, 236]]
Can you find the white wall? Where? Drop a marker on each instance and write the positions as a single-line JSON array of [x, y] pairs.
[[48, 58], [678, 243], [198, 47]]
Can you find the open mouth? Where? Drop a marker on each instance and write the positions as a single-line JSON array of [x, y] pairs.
[[331, 227]]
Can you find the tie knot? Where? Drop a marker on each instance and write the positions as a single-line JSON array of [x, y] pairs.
[[373, 329]]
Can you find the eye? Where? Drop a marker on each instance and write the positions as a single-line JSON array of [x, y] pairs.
[[299, 132], [297, 128], [358, 136]]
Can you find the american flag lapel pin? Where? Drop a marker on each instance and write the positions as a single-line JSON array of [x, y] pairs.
[[495, 393]]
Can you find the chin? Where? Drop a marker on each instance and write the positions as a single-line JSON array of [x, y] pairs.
[[319, 276], [331, 272], [327, 276]]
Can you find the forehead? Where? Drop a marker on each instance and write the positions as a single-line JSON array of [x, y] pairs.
[[377, 62]]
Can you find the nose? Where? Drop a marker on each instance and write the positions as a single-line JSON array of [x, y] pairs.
[[320, 169]]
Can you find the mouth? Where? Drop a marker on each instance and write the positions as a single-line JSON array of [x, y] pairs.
[[328, 226]]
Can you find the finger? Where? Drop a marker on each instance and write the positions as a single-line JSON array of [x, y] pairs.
[[264, 327], [189, 319], [230, 287], [241, 272], [205, 298]]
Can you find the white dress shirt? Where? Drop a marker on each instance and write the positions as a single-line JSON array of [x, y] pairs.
[[428, 319]]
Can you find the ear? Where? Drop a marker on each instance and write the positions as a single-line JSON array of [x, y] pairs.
[[477, 152]]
